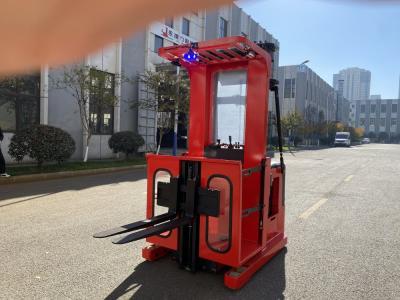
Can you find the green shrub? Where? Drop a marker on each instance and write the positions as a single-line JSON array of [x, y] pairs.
[[297, 140], [42, 143], [127, 142], [18, 147], [326, 141], [274, 141]]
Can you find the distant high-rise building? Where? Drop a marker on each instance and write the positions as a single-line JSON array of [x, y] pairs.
[[399, 88], [353, 83], [375, 97]]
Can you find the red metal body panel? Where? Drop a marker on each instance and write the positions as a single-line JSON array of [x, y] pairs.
[[155, 163], [231, 170], [253, 234]]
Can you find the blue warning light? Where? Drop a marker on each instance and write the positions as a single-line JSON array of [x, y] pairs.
[[191, 56]]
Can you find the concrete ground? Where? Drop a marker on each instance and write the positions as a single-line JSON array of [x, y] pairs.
[[343, 225]]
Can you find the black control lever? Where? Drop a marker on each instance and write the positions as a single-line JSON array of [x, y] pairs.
[[230, 143]]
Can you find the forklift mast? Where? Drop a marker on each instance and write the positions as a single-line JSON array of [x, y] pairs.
[[220, 204]]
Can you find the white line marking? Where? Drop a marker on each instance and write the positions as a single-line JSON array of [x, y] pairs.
[[312, 209], [348, 178]]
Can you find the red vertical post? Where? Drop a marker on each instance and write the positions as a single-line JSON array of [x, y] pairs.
[[256, 112], [198, 118]]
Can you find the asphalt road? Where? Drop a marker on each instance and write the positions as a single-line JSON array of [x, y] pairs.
[[343, 225]]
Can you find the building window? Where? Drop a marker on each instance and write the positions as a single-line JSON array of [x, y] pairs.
[[287, 89], [169, 22], [383, 108], [290, 88], [19, 102], [371, 121], [223, 27], [393, 122], [158, 43], [185, 26], [102, 101], [362, 107], [394, 108], [383, 122], [373, 108], [293, 90], [362, 122]]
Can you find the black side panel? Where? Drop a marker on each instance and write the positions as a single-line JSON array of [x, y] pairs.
[[167, 194], [208, 202]]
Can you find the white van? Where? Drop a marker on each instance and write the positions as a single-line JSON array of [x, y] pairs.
[[342, 139]]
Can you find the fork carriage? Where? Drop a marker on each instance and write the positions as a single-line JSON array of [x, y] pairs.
[[220, 204]]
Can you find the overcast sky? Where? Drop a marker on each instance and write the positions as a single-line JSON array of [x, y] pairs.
[[334, 35]]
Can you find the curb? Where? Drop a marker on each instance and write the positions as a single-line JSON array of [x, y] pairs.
[[66, 174]]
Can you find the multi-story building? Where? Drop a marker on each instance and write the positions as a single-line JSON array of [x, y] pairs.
[[375, 97], [303, 91], [377, 116], [233, 21], [353, 83], [399, 87], [40, 102], [342, 109]]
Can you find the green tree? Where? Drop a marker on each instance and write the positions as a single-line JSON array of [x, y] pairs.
[[292, 123], [310, 122], [84, 83], [171, 96]]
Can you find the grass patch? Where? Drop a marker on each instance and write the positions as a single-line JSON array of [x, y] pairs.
[[17, 170]]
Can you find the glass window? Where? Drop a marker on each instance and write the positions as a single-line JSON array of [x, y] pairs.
[[383, 108], [287, 88], [383, 122], [169, 22], [230, 106], [19, 102], [243, 34], [394, 108], [185, 26], [393, 122], [371, 121], [218, 228], [362, 122], [293, 89], [158, 43], [223, 27], [373, 108], [362, 108], [102, 100], [290, 88], [160, 176]]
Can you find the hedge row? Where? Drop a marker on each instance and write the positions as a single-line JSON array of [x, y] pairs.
[[44, 143]]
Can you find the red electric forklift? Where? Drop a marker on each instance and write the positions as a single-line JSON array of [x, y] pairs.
[[220, 205]]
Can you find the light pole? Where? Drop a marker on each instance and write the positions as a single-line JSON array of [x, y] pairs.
[[300, 69], [176, 114], [327, 108]]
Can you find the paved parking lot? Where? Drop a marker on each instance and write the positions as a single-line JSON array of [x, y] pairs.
[[343, 225]]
